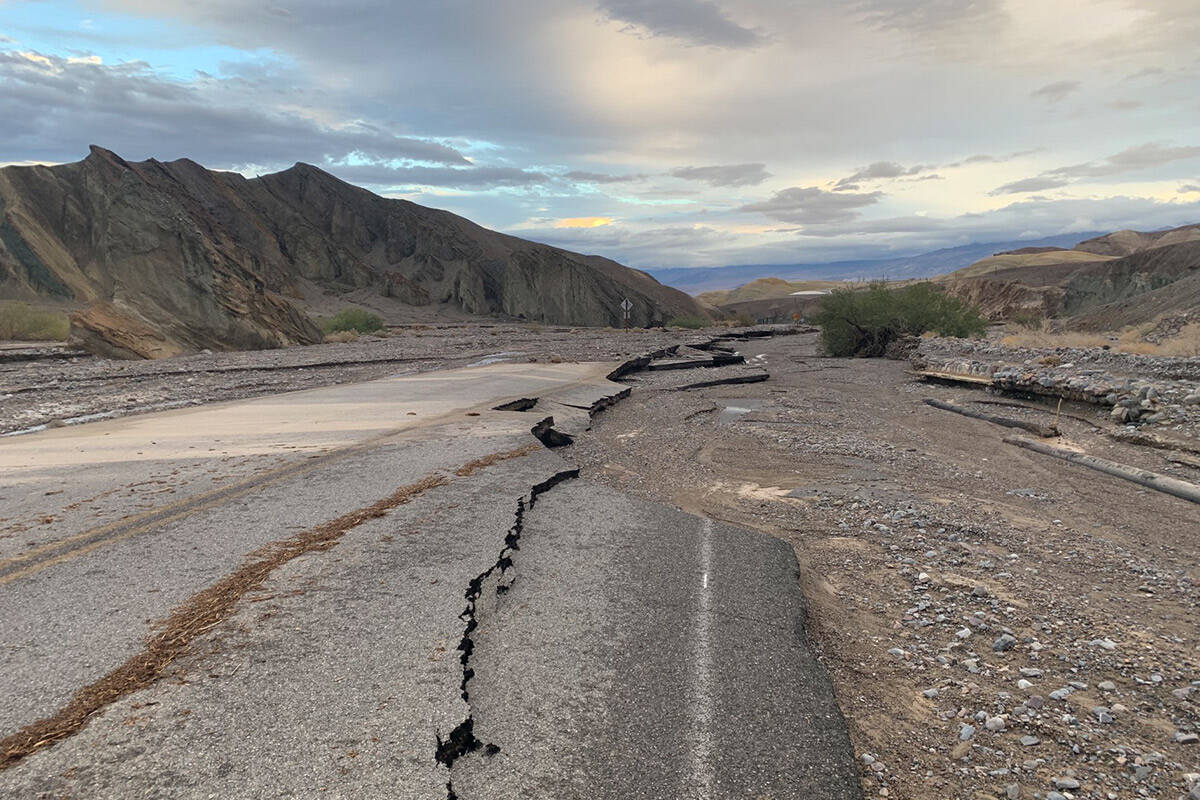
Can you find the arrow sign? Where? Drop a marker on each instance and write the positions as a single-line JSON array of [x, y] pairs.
[[626, 306]]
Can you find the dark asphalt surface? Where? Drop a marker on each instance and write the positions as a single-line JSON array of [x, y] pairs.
[[643, 652]]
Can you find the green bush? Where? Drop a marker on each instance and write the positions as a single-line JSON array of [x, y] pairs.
[[687, 322], [862, 322], [21, 321], [352, 319]]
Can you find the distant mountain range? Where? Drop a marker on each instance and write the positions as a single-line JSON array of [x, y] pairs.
[[695, 280], [158, 258], [1126, 278]]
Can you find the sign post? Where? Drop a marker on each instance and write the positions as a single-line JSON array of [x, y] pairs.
[[626, 307]]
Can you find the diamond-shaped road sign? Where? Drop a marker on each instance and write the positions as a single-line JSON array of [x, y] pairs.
[[626, 306]]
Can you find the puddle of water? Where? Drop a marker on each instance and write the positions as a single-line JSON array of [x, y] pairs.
[[495, 358], [736, 409]]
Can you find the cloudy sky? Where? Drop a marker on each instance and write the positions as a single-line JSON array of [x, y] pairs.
[[656, 132]]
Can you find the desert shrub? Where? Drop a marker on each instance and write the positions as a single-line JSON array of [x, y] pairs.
[[691, 323], [1030, 320], [862, 322], [341, 337], [353, 319], [23, 322]]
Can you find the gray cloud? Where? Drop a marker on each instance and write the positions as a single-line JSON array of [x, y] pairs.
[[583, 176], [1025, 219], [1188, 188], [1056, 92], [128, 108], [1038, 184], [724, 174], [1146, 72], [1125, 105], [636, 246], [483, 177], [1134, 159], [984, 158], [925, 16], [878, 171], [813, 205], [699, 22]]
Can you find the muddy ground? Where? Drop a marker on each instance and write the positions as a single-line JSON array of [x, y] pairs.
[[997, 623]]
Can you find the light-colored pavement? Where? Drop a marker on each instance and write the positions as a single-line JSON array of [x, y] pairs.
[[77, 594], [629, 645]]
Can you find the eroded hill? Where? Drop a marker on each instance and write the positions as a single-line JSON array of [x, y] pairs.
[[161, 258]]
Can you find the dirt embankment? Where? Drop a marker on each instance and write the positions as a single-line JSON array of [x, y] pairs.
[[998, 624]]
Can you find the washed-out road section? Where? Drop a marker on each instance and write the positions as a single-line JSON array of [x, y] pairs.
[[545, 636]]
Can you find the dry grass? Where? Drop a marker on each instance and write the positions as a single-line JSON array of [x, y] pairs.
[[471, 467], [341, 337], [1186, 344], [21, 322]]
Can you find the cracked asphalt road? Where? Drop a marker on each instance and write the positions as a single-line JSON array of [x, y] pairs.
[[634, 651]]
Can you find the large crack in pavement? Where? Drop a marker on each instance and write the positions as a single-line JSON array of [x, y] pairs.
[[462, 739], [208, 608]]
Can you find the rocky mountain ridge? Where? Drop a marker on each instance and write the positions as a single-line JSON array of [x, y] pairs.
[[161, 258]]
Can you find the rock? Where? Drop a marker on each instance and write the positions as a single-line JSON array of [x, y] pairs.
[[1102, 714], [960, 750], [963, 633], [1004, 643], [994, 724], [1024, 684], [1067, 784], [1029, 740], [1107, 686], [1186, 738], [930, 693], [1012, 791], [967, 732], [897, 652], [1061, 694]]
